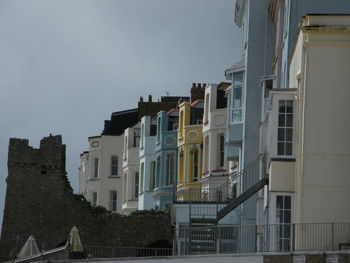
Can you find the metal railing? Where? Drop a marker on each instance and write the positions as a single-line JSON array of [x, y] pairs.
[[266, 238], [114, 252], [206, 200]]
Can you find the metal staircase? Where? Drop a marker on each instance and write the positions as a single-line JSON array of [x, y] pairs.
[[251, 180], [207, 206]]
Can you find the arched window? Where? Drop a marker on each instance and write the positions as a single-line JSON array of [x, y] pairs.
[[113, 201], [181, 123], [170, 170]]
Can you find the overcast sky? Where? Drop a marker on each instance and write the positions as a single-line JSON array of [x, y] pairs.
[[66, 65]]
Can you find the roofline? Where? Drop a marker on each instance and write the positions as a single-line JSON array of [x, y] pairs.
[[94, 137], [196, 102], [125, 111]]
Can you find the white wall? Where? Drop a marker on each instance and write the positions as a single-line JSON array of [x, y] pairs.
[[324, 139]]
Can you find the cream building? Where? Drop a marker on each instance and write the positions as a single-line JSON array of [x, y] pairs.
[[320, 73], [101, 173], [131, 163], [215, 166]]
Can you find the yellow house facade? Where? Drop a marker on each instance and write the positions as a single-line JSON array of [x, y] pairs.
[[190, 149]]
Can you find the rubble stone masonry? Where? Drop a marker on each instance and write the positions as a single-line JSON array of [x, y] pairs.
[[40, 202]]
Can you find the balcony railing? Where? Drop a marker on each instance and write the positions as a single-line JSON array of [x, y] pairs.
[[264, 238], [116, 252]]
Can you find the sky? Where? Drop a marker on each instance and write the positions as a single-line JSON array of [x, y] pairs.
[[66, 65]]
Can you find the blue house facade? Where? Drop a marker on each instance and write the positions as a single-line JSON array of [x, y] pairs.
[[166, 158]]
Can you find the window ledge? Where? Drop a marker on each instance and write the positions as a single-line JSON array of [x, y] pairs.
[[94, 179], [114, 176]]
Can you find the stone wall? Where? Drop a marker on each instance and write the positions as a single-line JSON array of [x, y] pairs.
[[40, 202]]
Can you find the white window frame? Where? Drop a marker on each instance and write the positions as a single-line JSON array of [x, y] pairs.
[[114, 165], [234, 108], [282, 140], [96, 167]]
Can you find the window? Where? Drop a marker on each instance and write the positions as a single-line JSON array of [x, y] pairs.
[[95, 167], [221, 150], [285, 128], [95, 144], [136, 190], [157, 176], [158, 129], [175, 126], [113, 201], [142, 176], [283, 219], [153, 176], [236, 111], [206, 110], [181, 123], [170, 168], [142, 134], [114, 166], [195, 165], [125, 147], [94, 199], [136, 137], [125, 192]]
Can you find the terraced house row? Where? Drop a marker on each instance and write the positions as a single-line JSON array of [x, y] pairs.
[[257, 163]]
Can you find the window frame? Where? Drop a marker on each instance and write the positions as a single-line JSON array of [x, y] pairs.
[[285, 132], [94, 199], [233, 106], [195, 170], [114, 165], [136, 185], [113, 203], [96, 167]]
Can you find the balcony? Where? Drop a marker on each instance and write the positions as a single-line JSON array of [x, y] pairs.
[[216, 119], [192, 134]]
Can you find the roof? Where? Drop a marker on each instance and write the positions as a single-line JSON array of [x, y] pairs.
[[120, 121], [237, 66], [196, 102], [171, 111]]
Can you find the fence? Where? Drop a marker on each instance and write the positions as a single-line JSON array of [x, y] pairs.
[[112, 252], [266, 238]]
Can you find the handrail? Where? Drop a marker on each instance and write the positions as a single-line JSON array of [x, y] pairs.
[[238, 174]]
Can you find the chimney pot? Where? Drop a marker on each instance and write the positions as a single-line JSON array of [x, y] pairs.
[[150, 98], [193, 85], [199, 85], [141, 98]]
